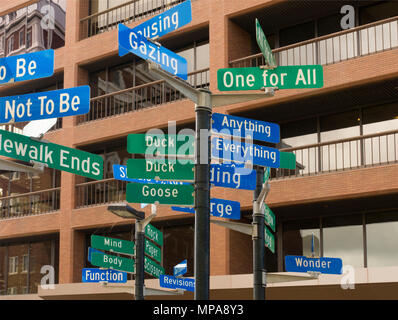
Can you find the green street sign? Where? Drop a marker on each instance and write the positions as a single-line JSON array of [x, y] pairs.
[[162, 169], [161, 193], [285, 77], [160, 144], [267, 172], [153, 251], [287, 160], [113, 262], [20, 147], [269, 217], [269, 239], [152, 268], [154, 234], [114, 245], [264, 46]]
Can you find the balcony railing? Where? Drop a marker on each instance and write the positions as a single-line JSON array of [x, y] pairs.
[[125, 13], [29, 204], [332, 48], [140, 97], [345, 154]]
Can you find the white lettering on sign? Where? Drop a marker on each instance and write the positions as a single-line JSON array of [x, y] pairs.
[[152, 30], [12, 110], [161, 193], [159, 167], [247, 125], [274, 80], [220, 209], [113, 260], [312, 263], [306, 81], [112, 243], [21, 69], [224, 177], [151, 141], [239, 81]]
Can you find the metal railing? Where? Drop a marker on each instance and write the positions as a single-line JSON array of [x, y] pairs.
[[124, 13], [332, 48], [139, 97], [31, 203], [100, 192], [344, 154]]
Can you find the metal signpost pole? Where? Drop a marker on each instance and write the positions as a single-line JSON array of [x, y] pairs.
[[258, 240]]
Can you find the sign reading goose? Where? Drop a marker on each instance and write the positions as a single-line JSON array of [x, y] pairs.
[[55, 156]]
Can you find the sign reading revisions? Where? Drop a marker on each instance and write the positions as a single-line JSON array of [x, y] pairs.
[[56, 156], [27, 66], [45, 105]]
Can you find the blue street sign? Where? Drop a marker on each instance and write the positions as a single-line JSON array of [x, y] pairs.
[[120, 173], [27, 66], [218, 208], [238, 151], [45, 105], [103, 275], [166, 281], [164, 23], [234, 176], [180, 269], [139, 45], [243, 127], [90, 252], [305, 264]]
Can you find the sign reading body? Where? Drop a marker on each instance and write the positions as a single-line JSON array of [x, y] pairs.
[[45, 105], [27, 66], [284, 77], [58, 157]]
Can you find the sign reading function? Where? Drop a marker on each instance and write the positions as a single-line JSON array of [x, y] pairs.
[[264, 46]]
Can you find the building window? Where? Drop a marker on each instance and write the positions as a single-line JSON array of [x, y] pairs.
[[21, 38], [13, 265], [10, 44], [29, 38], [25, 263], [12, 291]]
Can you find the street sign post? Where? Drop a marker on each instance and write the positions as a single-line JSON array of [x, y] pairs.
[[103, 275], [162, 169], [113, 245], [244, 152], [55, 156], [45, 105], [264, 46], [161, 194], [320, 264], [171, 282], [27, 66], [284, 77], [104, 260], [160, 144], [243, 127], [131, 41]]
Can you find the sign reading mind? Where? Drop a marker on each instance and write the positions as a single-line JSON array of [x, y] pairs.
[[55, 156]]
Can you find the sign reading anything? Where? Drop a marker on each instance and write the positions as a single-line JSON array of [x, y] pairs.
[[218, 208], [58, 157], [45, 105], [103, 275], [284, 77], [164, 23], [264, 46], [161, 144], [162, 169], [132, 41], [167, 281], [154, 234], [111, 244], [243, 127], [244, 152], [305, 264], [27, 66], [104, 260], [234, 176], [163, 194]]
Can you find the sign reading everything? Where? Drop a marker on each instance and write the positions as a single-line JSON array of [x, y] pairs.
[[58, 157]]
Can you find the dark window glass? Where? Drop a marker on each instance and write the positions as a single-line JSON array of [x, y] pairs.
[[379, 11], [298, 33], [329, 25]]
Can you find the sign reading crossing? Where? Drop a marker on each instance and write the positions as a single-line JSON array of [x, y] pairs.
[[305, 264], [58, 157], [167, 281], [103, 275], [243, 127], [27, 66], [111, 244], [264, 46], [163, 194], [104, 260], [162, 169], [284, 77], [161, 144], [132, 41], [45, 105], [244, 152]]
